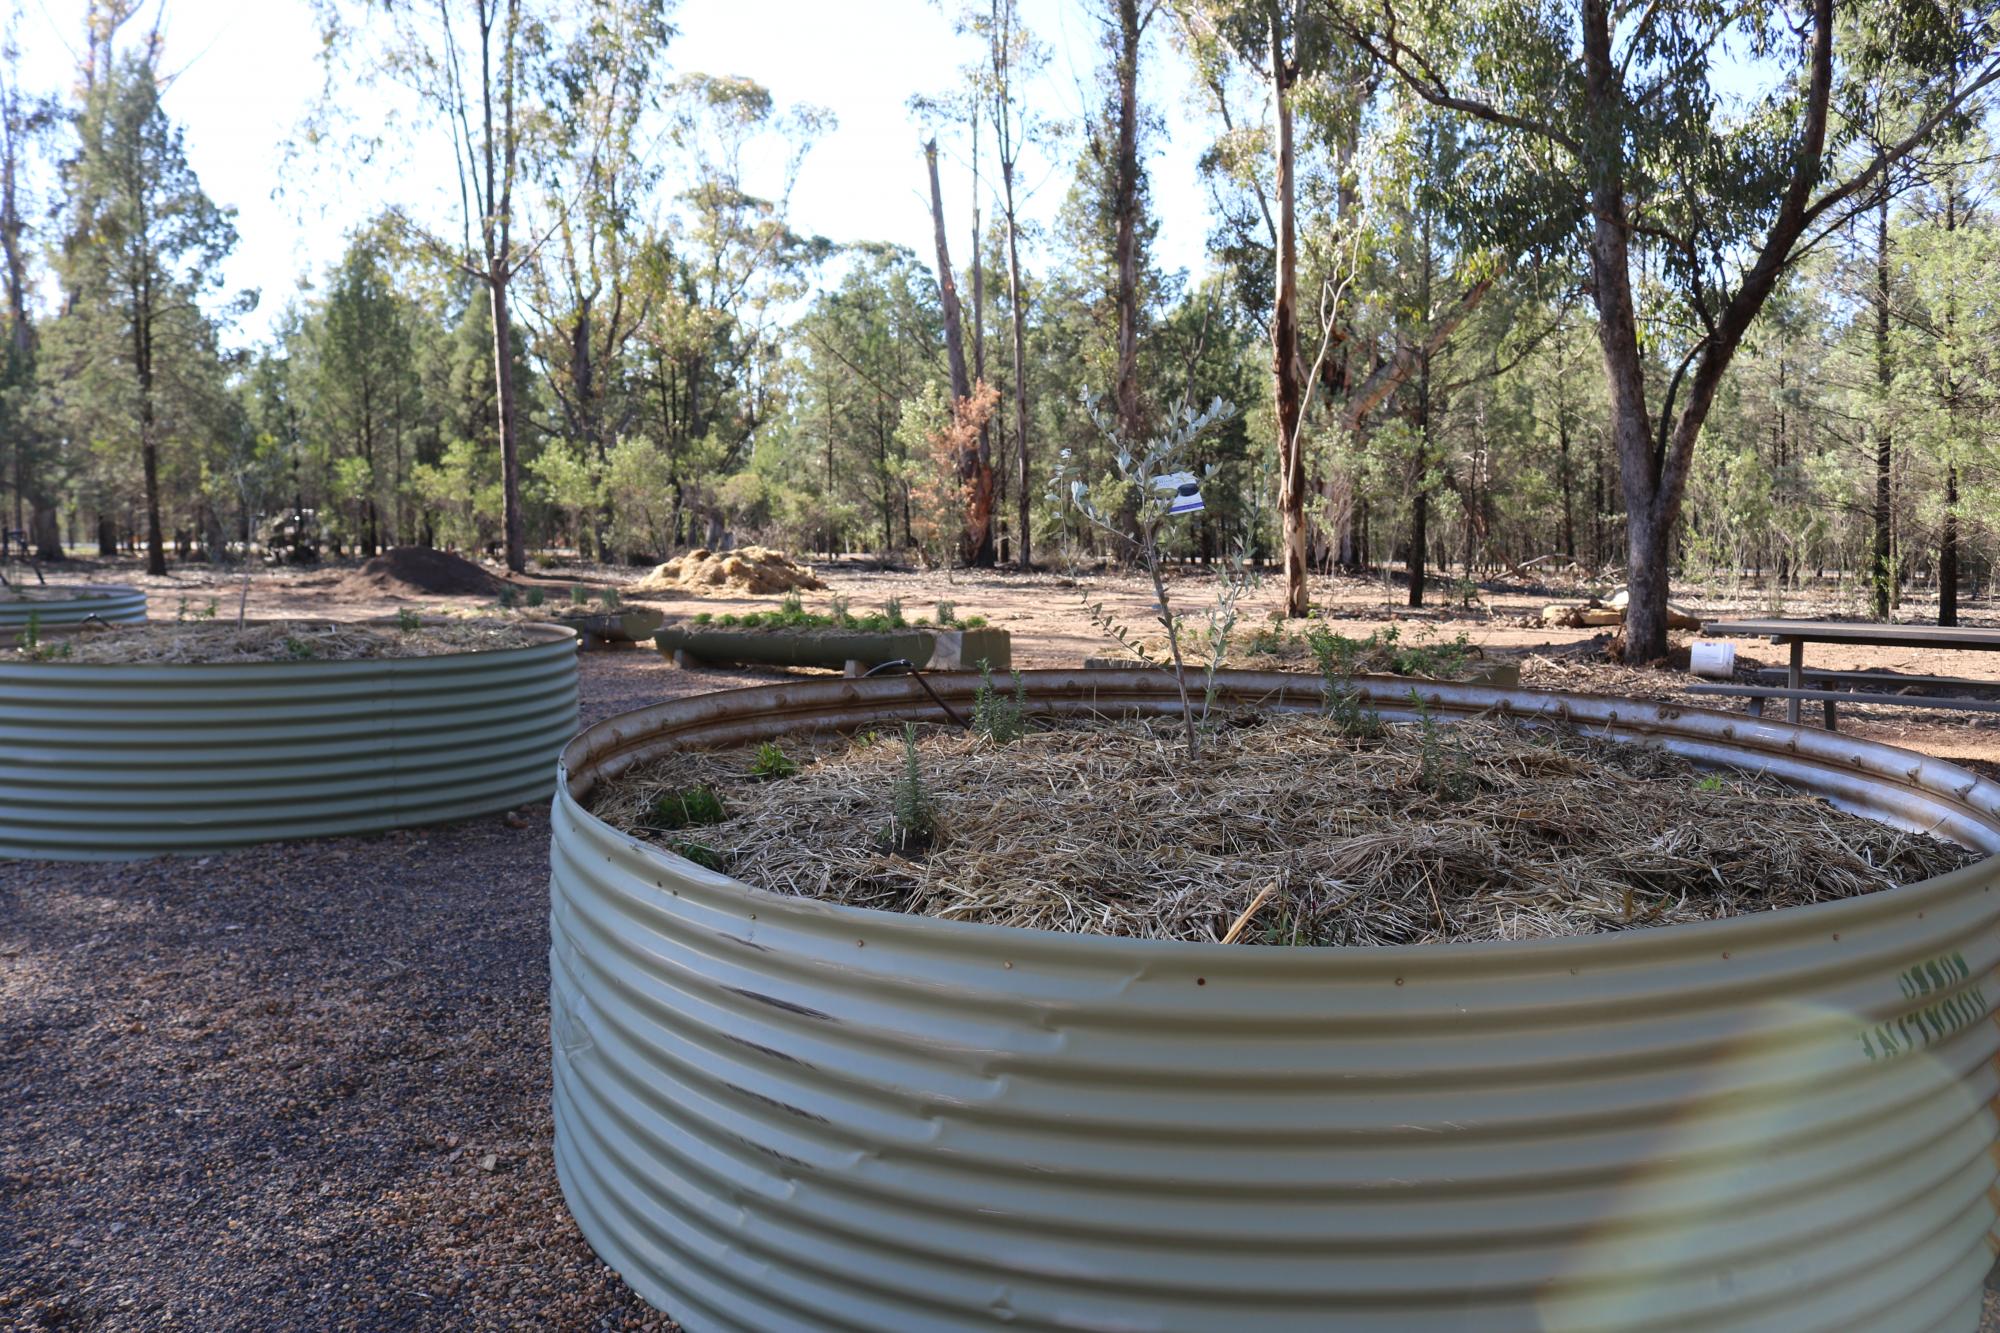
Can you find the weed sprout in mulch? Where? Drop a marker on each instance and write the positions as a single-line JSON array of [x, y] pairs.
[[1365, 833]]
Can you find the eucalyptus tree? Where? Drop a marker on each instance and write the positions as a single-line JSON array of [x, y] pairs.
[[476, 69], [1684, 205], [1293, 48], [595, 173], [722, 275], [1012, 56]]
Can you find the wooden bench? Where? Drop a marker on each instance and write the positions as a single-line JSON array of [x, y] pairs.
[[1881, 679], [1757, 694]]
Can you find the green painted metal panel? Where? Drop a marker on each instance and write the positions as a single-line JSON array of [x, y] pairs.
[[773, 1112], [109, 602], [828, 648], [111, 762]]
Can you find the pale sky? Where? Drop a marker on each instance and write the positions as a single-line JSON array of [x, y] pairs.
[[247, 72]]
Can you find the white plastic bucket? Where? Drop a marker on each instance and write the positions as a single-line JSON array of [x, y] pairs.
[[1717, 661]]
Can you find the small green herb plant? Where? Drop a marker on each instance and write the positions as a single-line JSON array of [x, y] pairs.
[[913, 822], [690, 807], [536, 597], [408, 621], [771, 763], [996, 716]]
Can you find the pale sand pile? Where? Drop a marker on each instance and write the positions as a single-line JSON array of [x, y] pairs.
[[748, 569], [1367, 834]]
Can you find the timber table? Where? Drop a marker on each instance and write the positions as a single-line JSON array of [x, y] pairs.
[[1799, 633]]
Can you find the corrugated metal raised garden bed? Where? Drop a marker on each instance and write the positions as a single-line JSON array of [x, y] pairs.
[[111, 760], [53, 606], [775, 1111]]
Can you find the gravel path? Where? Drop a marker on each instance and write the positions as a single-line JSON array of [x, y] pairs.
[[299, 1086]]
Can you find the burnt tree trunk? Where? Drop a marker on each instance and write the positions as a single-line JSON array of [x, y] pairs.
[[975, 481]]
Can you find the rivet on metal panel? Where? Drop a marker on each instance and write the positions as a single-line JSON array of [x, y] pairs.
[[1399, 981], [1201, 981]]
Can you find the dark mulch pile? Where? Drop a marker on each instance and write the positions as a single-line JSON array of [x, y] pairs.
[[299, 1086], [418, 571]]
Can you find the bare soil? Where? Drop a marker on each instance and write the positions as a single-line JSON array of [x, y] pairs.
[[305, 1085]]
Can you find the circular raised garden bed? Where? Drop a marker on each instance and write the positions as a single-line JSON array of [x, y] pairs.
[[49, 607], [773, 1111], [104, 761]]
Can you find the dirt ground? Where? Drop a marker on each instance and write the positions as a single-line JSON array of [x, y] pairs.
[[306, 1085]]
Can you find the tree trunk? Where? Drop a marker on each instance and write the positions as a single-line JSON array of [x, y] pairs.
[[1948, 551], [516, 531], [982, 554], [149, 449], [1026, 485], [974, 474], [1568, 485], [1654, 467], [1420, 519], [1881, 570], [954, 327], [1125, 210], [1285, 345]]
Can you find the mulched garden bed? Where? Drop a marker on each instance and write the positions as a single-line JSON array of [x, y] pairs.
[[186, 643], [1364, 834]]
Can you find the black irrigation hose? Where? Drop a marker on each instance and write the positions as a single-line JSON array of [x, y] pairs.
[[903, 665]]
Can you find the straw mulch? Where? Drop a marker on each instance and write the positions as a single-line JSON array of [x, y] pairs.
[[1471, 831], [749, 569], [211, 643]]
